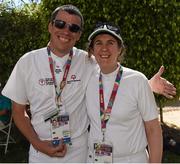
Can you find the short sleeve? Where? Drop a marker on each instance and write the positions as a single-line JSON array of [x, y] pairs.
[[146, 101], [15, 88]]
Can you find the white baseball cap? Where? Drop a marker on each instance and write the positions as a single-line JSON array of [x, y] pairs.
[[107, 28]]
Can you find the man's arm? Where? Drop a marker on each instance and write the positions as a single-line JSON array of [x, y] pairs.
[[162, 86], [155, 141], [23, 122]]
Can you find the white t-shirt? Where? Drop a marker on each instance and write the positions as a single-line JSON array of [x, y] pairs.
[[31, 82], [134, 103]]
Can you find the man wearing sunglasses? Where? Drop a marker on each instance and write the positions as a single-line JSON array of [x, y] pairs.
[[53, 81]]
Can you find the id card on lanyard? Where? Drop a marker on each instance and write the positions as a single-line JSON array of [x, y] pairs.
[[60, 129], [103, 150]]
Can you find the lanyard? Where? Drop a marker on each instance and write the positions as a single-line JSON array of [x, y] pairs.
[[63, 82], [105, 114]]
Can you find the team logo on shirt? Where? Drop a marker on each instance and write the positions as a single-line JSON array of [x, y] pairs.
[[46, 81], [41, 81], [58, 69], [49, 81], [73, 79]]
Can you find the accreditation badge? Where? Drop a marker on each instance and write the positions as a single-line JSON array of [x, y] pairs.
[[102, 152], [60, 129]]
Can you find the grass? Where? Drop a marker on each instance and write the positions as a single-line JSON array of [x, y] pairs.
[[18, 152]]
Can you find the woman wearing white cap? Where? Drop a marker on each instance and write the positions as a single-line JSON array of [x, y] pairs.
[[121, 106]]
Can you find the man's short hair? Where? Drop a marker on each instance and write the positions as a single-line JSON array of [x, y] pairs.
[[71, 9]]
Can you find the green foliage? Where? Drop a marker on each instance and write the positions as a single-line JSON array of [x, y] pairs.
[[150, 30], [20, 32]]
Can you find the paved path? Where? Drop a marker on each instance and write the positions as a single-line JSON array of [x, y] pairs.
[[171, 115]]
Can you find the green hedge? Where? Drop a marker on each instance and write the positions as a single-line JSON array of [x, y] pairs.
[[150, 30]]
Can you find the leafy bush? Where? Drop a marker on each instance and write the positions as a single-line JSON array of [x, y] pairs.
[[149, 29]]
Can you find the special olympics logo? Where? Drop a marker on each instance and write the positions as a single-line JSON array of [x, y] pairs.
[[73, 77], [42, 82]]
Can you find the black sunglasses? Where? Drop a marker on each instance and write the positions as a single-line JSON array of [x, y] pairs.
[[62, 24], [108, 25]]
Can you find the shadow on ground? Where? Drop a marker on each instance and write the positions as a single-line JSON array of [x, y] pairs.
[[171, 143]]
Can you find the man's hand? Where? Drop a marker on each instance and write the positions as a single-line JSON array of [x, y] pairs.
[[162, 86], [48, 148]]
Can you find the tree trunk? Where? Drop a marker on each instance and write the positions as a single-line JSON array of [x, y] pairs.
[[161, 112]]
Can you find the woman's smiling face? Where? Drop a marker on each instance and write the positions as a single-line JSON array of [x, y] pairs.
[[106, 51]]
